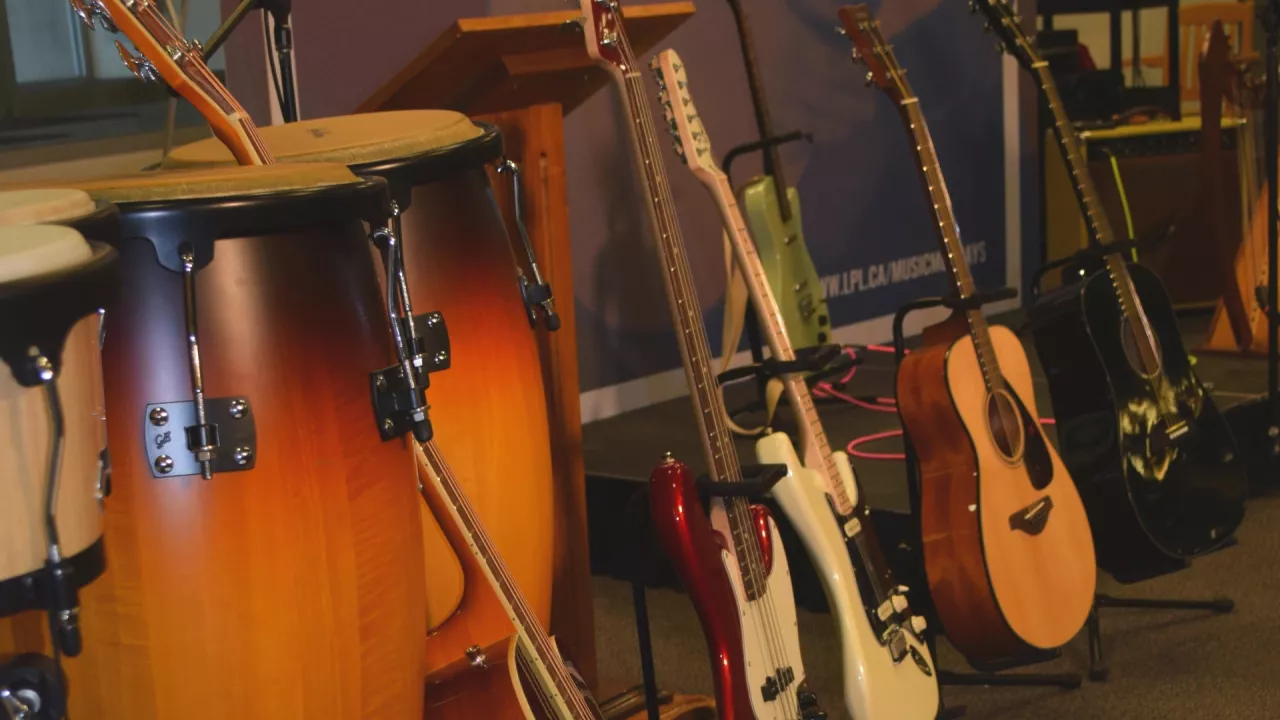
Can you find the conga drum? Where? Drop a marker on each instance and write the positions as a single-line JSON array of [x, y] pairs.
[[264, 551], [489, 408], [53, 471]]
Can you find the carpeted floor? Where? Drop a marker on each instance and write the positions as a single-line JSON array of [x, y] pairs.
[[1164, 664]]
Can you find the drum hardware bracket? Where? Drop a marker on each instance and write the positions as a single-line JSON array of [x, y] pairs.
[[32, 687], [536, 293], [229, 425], [399, 406]]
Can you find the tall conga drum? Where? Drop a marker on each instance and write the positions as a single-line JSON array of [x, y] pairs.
[[489, 408], [263, 542], [53, 468]]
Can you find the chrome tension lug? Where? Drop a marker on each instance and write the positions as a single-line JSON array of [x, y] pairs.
[[536, 293]]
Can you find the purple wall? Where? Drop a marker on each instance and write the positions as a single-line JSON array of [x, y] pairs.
[[863, 206]]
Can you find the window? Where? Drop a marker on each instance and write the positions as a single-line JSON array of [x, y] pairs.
[[61, 82]]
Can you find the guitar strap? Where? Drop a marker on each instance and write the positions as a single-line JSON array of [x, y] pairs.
[[735, 315]]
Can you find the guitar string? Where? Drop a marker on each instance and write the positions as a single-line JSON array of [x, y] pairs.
[[528, 621], [681, 274], [740, 516], [533, 629], [737, 511], [493, 560]]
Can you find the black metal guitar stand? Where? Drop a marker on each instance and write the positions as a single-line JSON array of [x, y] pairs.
[[757, 482], [280, 10], [1098, 669], [1067, 681]]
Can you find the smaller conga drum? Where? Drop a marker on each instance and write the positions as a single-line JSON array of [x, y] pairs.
[[489, 409], [264, 542], [53, 474]]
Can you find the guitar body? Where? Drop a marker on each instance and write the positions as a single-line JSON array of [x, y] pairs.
[[999, 590], [874, 685], [1152, 501], [792, 277], [699, 556]]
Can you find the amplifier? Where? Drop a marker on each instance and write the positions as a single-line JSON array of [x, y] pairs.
[[1160, 168]]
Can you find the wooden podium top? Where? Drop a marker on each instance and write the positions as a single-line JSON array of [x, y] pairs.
[[488, 65]]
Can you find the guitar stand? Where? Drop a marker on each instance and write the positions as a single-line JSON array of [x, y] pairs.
[[1098, 668], [994, 678], [819, 363], [757, 481]]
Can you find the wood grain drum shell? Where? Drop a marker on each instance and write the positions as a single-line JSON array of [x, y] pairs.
[[290, 590]]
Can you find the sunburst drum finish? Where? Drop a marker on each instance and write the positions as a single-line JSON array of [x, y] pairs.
[[291, 590], [489, 408]]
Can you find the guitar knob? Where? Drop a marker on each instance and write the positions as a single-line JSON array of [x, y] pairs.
[[806, 699], [918, 625]]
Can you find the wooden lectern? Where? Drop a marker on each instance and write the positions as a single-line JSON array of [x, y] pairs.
[[523, 73]]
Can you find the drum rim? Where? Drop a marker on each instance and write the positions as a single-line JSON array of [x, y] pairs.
[[202, 222], [65, 296], [29, 591], [409, 171]]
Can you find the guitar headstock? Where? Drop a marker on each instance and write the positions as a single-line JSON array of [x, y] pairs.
[[606, 39], [689, 136], [870, 49], [164, 54], [1004, 20]]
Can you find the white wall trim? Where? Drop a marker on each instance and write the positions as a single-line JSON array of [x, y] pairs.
[[613, 400]]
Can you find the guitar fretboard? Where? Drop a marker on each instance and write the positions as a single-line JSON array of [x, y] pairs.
[[686, 314], [562, 697]]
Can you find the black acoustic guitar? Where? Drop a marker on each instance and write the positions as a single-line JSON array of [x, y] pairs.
[[1154, 460]]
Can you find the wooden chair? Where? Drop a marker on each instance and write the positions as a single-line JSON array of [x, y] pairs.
[[1194, 22]]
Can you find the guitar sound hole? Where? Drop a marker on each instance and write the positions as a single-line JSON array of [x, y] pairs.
[[1130, 337], [1004, 423]]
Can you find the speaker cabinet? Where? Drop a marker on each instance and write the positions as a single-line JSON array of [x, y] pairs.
[[1159, 166]]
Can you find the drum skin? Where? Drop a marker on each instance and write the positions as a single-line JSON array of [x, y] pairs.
[[292, 590], [488, 409], [24, 427]]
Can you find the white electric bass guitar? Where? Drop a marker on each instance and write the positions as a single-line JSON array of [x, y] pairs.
[[888, 672]]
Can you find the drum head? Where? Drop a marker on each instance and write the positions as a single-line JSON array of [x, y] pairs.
[[33, 250], [50, 277], [44, 205], [352, 140], [215, 182]]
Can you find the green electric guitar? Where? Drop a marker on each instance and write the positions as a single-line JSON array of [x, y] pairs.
[[773, 217]]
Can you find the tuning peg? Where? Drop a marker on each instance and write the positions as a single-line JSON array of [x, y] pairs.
[[841, 31], [870, 78], [139, 65], [575, 25], [857, 56], [92, 12], [973, 6]]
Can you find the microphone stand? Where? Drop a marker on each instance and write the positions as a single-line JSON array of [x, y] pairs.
[[283, 41]]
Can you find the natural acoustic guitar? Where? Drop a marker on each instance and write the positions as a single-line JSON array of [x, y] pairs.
[[1155, 461], [1006, 542], [773, 216], [887, 668]]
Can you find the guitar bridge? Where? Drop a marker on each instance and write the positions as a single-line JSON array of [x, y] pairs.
[[1032, 518]]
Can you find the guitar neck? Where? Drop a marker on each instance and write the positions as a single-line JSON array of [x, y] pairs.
[[772, 157], [543, 664], [682, 298], [1095, 216], [813, 439], [182, 66], [949, 233]]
